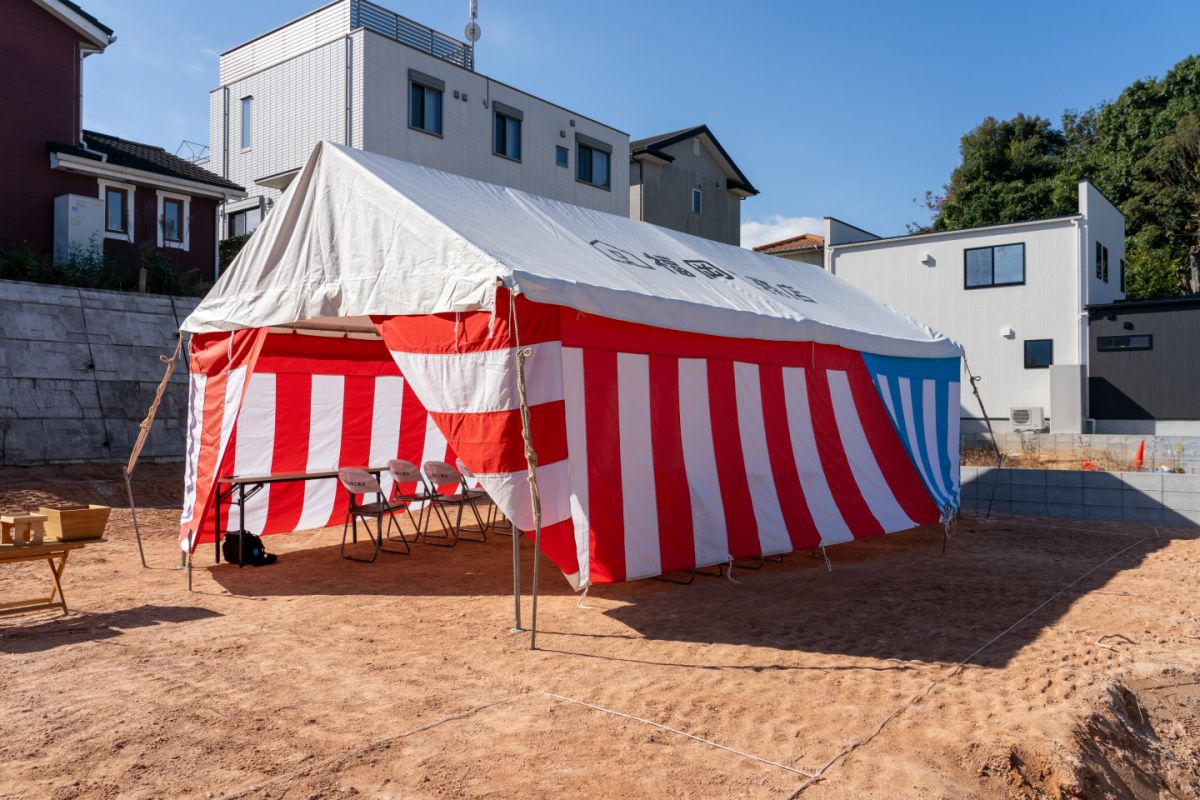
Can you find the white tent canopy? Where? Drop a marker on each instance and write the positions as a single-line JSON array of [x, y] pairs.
[[360, 234]]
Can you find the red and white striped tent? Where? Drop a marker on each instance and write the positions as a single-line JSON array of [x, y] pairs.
[[690, 402]]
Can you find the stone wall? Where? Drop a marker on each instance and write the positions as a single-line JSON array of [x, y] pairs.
[[78, 370], [1154, 497]]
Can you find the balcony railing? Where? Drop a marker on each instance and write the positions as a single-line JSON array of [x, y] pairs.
[[365, 14]]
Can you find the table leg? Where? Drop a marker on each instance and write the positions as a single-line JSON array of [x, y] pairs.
[[57, 573], [217, 527], [241, 526]]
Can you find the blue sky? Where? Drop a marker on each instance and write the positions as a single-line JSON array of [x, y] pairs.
[[848, 109]]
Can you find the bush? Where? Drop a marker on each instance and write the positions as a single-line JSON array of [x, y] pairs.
[[89, 269], [1151, 273], [231, 247]]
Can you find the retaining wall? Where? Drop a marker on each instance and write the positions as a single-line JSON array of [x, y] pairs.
[[78, 370], [1161, 451], [1157, 498]]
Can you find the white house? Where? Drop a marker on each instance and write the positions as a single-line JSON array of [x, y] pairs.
[[358, 74], [1013, 295]]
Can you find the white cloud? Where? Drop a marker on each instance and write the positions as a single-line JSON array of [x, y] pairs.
[[774, 227]]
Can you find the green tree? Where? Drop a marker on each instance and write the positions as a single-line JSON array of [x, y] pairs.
[[1150, 273]]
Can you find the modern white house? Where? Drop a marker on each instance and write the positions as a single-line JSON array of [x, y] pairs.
[[355, 73], [1015, 296]]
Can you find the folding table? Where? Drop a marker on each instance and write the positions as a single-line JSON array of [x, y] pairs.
[[53, 553]]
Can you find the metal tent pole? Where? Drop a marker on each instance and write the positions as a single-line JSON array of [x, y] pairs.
[[516, 553], [535, 497]]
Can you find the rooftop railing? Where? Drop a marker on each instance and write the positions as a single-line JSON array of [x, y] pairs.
[[365, 14]]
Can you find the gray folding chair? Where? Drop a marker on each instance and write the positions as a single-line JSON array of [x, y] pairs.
[[439, 473], [359, 482], [493, 513], [403, 473]]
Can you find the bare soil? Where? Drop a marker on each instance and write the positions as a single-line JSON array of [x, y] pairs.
[[318, 677]]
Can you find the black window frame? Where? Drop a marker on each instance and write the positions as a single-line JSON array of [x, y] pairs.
[[562, 156], [1122, 268], [501, 116], [168, 201], [585, 150], [1123, 343], [993, 284], [1025, 354], [697, 193], [124, 193], [426, 84]]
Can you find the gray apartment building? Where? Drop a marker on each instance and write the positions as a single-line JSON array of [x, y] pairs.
[[686, 181], [358, 74]]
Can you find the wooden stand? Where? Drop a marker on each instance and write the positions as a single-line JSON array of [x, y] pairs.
[[53, 553]]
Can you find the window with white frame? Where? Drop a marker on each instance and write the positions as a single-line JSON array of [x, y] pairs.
[[174, 211], [118, 201], [247, 122]]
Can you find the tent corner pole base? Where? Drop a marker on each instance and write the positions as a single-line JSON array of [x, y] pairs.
[[516, 556]]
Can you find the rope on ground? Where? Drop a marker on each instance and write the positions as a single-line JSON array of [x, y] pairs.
[[668, 728], [950, 673], [245, 790]]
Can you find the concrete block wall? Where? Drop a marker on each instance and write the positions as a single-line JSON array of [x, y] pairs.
[[78, 370], [1161, 451], [1157, 498]]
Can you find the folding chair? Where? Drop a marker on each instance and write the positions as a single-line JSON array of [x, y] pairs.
[[406, 472], [493, 514], [359, 482], [439, 473]]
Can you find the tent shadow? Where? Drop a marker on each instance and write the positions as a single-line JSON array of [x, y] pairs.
[[896, 599], [85, 626]]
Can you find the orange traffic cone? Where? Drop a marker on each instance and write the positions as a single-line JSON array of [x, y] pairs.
[[1140, 458]]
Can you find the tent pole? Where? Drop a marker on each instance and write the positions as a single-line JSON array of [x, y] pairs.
[[987, 421], [535, 497], [137, 531], [516, 579]]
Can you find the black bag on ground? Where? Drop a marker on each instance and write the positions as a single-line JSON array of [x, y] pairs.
[[251, 550]]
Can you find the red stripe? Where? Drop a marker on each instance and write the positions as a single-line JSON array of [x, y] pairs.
[[228, 515], [470, 332], [796, 515], [890, 453], [854, 508], [493, 442], [558, 543], [607, 532], [293, 412], [740, 525], [676, 544], [358, 403]]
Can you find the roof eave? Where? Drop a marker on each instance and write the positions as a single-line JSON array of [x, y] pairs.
[[90, 165], [91, 29]]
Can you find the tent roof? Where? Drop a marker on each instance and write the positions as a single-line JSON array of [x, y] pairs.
[[361, 234]]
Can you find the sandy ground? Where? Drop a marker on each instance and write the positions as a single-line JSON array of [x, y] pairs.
[[318, 677]]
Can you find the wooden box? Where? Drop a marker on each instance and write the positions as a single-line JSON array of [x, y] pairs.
[[72, 523]]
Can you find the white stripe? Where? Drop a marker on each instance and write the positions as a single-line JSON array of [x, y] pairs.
[[385, 425], [639, 504], [953, 432], [911, 430], [254, 447], [510, 490], [932, 446], [886, 392], [234, 382], [700, 463], [772, 529], [576, 416], [825, 513], [470, 383], [867, 474], [196, 385], [324, 449]]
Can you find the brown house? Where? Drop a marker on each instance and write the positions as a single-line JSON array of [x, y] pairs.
[[68, 190]]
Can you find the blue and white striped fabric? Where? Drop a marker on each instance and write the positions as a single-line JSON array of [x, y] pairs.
[[922, 398]]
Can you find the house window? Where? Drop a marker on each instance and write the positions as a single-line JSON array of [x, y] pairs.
[[1122, 276], [116, 210], [1003, 265], [172, 220], [592, 160], [560, 156], [243, 222], [1106, 265], [1039, 353], [247, 121], [425, 102], [1140, 341], [697, 201], [506, 131], [1101, 262]]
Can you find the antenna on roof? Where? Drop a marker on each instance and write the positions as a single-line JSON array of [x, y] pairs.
[[473, 31]]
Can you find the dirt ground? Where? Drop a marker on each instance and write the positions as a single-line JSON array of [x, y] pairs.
[[317, 677]]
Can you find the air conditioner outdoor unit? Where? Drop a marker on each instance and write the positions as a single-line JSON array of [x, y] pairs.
[[1027, 418]]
